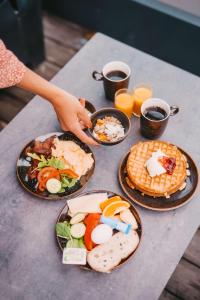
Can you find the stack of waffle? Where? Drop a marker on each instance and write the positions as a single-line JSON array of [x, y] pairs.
[[158, 186]]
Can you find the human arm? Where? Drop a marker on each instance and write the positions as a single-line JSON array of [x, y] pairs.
[[71, 114]]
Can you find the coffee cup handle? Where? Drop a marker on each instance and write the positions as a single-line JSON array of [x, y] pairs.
[[174, 110], [97, 75]]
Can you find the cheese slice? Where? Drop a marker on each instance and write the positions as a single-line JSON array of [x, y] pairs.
[[87, 204]]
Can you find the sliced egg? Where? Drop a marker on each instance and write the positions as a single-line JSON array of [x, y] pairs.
[[101, 234]]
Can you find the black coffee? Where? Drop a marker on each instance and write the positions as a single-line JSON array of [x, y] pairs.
[[116, 75], [155, 113]]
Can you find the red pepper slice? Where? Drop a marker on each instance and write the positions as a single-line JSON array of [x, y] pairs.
[[91, 221]]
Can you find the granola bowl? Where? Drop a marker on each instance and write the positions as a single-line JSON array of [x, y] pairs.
[[110, 126]]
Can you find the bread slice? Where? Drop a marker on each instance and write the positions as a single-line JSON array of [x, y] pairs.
[[125, 243], [105, 257]]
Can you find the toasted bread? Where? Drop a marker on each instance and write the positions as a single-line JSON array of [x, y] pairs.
[[105, 257]]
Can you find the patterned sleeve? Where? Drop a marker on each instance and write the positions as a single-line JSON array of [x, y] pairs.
[[11, 69]]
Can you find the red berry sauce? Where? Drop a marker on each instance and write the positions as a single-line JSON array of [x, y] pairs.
[[168, 163]]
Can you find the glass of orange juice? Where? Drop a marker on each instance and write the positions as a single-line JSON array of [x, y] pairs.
[[141, 93], [124, 101]]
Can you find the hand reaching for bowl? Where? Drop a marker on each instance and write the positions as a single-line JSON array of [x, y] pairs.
[[73, 116], [70, 112]]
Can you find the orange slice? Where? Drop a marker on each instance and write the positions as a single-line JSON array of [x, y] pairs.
[[114, 208], [108, 201]]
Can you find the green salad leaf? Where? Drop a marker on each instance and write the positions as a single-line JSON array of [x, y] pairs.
[[81, 243], [50, 162], [63, 231], [75, 243], [62, 190], [67, 182], [34, 156], [56, 163], [72, 182]]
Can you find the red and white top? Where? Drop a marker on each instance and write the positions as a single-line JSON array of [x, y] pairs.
[[11, 69]]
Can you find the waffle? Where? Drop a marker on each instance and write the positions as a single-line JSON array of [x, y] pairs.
[[158, 186]]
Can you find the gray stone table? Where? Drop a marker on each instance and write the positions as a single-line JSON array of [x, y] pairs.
[[30, 261]]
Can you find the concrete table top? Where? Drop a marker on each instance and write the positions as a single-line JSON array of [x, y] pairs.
[[30, 261]]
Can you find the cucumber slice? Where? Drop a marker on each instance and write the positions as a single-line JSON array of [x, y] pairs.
[[53, 186], [77, 218], [78, 230]]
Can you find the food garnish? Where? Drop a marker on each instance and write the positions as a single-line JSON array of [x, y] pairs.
[[168, 163], [108, 129], [154, 167], [63, 230], [109, 201], [49, 162], [114, 208], [159, 163]]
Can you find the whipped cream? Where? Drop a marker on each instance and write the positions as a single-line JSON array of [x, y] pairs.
[[154, 167]]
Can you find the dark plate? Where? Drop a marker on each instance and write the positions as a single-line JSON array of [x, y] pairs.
[[176, 200], [100, 114], [29, 185], [90, 107], [63, 216]]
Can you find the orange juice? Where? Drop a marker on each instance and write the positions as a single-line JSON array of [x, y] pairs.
[[141, 94], [124, 102]]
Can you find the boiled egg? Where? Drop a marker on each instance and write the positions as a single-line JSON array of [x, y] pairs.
[[101, 234]]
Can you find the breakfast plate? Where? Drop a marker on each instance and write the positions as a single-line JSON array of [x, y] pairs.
[[55, 166], [103, 225], [182, 185]]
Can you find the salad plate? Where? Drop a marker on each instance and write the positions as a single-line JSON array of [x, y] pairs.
[[55, 166], [104, 225]]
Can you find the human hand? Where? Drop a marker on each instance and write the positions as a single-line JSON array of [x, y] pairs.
[[72, 116]]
